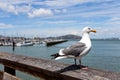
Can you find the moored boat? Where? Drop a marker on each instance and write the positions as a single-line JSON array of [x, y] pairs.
[[25, 43]]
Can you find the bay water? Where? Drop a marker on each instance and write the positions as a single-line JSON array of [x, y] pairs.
[[105, 55]]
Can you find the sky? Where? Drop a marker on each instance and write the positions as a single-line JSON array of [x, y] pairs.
[[43, 18]]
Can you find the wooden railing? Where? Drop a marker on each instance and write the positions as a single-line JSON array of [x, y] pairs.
[[52, 70]]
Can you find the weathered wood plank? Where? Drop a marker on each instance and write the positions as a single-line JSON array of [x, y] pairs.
[[52, 70], [9, 77]]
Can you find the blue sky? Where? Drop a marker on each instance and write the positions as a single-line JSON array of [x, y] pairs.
[[59, 17]]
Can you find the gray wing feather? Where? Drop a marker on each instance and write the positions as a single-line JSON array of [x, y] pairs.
[[78, 44], [74, 49]]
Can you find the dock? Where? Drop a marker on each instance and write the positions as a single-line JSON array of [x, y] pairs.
[[54, 42], [52, 70]]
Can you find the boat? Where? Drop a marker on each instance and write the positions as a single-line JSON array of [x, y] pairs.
[[25, 43]]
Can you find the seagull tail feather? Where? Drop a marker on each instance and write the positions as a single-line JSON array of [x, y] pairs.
[[54, 56]]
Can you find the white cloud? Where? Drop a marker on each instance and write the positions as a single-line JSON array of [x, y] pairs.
[[40, 13], [44, 32], [26, 9], [6, 26], [102, 9], [115, 19], [67, 3], [23, 9], [8, 7], [58, 22], [55, 5], [15, 9], [17, 1], [107, 32], [60, 10], [57, 10]]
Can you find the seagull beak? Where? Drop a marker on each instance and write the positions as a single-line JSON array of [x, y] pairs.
[[93, 31]]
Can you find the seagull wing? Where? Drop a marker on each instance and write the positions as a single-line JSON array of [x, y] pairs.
[[74, 50], [77, 45]]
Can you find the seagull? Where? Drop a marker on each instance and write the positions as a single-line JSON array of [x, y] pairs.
[[77, 50]]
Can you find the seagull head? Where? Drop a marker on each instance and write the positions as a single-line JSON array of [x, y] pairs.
[[88, 30]]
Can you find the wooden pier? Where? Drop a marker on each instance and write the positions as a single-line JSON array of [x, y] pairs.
[[50, 43], [52, 70]]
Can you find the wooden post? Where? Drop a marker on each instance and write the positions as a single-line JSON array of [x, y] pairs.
[[13, 46], [1, 75], [10, 70]]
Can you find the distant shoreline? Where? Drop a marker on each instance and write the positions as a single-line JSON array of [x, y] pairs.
[[67, 37]]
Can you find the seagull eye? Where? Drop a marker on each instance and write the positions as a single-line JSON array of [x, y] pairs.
[[89, 28]]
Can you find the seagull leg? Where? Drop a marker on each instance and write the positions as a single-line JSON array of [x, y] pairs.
[[82, 67], [80, 63], [75, 61]]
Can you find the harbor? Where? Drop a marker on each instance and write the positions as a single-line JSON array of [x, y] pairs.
[[102, 59], [22, 41]]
